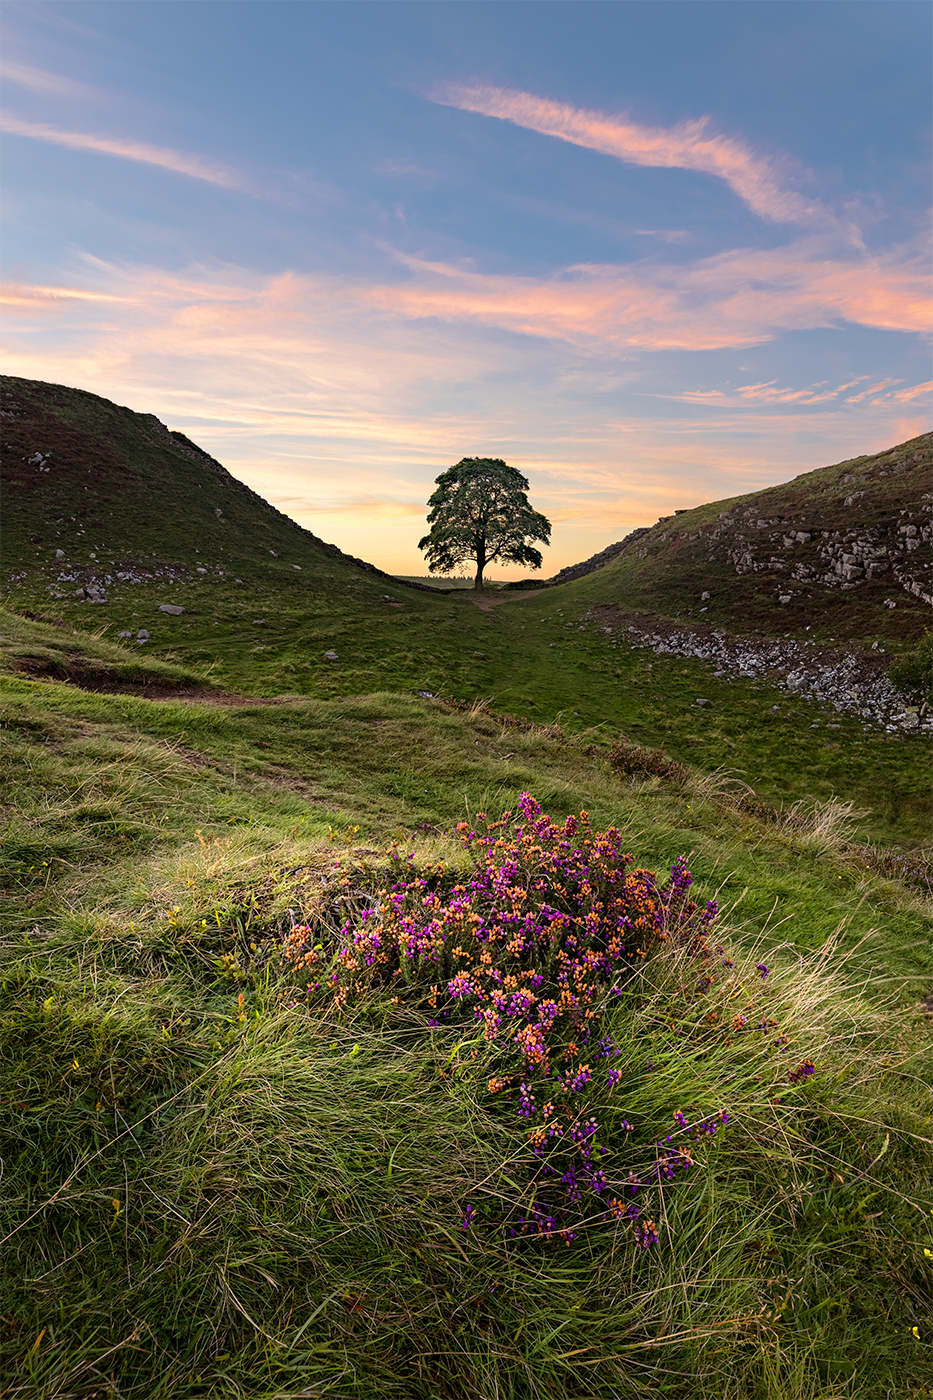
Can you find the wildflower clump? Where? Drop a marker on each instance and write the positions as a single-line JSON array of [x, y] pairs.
[[525, 960]]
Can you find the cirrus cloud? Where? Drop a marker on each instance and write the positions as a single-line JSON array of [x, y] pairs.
[[761, 181], [182, 162]]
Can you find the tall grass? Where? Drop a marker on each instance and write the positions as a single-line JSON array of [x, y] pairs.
[[210, 1192]]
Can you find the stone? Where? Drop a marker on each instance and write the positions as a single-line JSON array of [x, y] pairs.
[[705, 596], [331, 656], [426, 694], [124, 634], [785, 597], [202, 571], [142, 635], [172, 608], [297, 566], [59, 554], [703, 703]]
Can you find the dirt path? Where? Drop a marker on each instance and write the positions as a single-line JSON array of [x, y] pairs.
[[486, 601]]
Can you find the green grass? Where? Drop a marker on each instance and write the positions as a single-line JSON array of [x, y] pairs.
[[530, 657], [213, 1193]]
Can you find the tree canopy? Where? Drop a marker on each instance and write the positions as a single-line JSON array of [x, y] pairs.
[[480, 513]]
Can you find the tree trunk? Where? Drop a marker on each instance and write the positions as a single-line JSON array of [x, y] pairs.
[[480, 566]]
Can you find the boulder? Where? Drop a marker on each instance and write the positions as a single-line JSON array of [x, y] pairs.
[[172, 608]]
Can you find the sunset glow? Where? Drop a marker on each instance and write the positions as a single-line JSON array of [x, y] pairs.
[[344, 246]]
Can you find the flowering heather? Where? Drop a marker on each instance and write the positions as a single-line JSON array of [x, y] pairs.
[[523, 961]]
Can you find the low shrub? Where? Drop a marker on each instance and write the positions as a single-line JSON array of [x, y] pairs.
[[532, 963], [635, 761]]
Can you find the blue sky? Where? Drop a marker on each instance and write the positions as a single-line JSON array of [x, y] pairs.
[[652, 254]]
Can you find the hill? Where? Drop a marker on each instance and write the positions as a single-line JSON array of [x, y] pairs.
[[844, 552], [97, 496]]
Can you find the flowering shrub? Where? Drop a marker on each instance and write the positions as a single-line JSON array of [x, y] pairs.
[[525, 961]]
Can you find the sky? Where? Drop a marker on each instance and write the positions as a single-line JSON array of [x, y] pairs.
[[651, 254]]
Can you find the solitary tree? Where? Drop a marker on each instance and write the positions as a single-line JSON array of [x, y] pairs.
[[480, 513]]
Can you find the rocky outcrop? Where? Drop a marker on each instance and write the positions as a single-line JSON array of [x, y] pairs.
[[839, 538], [849, 680]]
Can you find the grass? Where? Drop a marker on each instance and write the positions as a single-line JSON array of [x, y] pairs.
[[214, 1193], [525, 657]]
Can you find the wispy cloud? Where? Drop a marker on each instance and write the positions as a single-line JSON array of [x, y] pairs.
[[739, 298], [39, 81], [36, 298], [873, 389], [759, 180], [916, 391], [182, 162]]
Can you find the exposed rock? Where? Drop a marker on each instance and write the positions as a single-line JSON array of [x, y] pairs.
[[172, 608], [331, 656], [142, 635], [852, 682]]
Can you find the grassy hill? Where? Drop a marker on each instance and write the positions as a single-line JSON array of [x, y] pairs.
[[97, 495], [828, 552], [255, 1144]]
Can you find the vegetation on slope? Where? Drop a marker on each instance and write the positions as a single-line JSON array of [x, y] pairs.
[[827, 553]]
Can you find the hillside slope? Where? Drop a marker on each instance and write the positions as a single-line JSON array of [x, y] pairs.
[[95, 495], [843, 551]]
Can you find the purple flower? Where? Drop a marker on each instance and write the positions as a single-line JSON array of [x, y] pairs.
[[763, 969], [646, 1235]]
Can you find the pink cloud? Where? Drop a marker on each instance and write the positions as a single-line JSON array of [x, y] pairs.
[[905, 395], [756, 179], [739, 298], [179, 161], [38, 298], [344, 412]]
